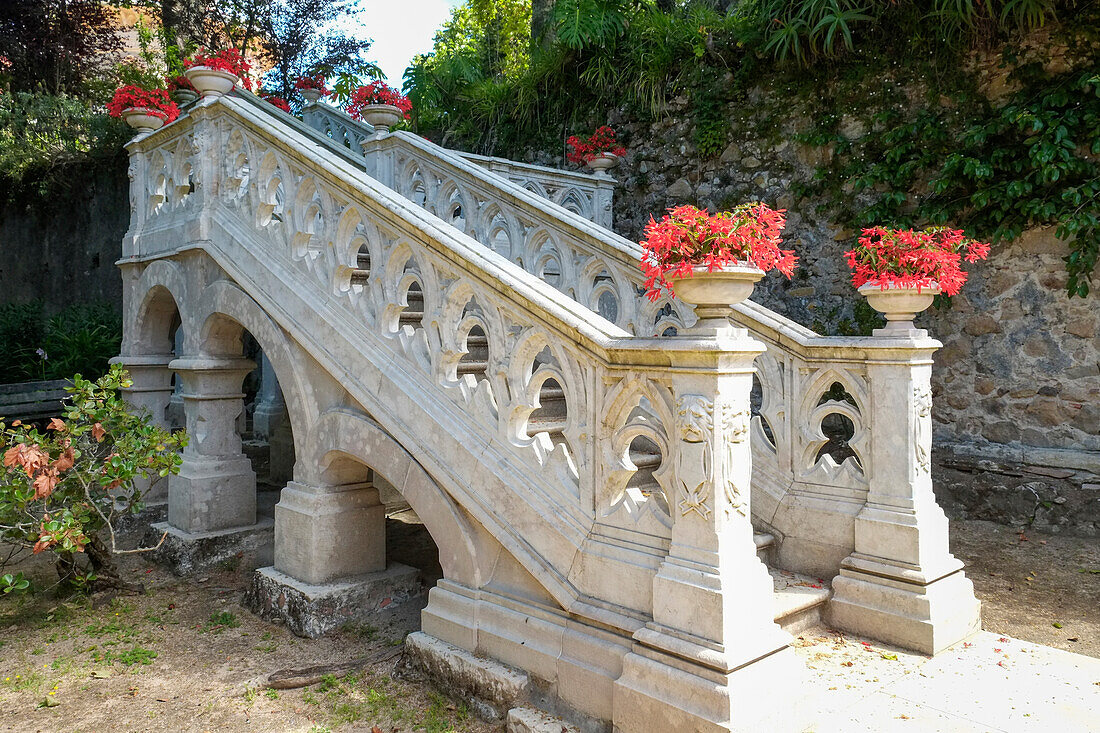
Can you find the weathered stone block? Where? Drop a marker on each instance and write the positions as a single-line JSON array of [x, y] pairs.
[[188, 552], [314, 610]]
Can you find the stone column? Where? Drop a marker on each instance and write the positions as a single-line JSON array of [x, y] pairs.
[[328, 532], [330, 560], [712, 657], [150, 393], [175, 403], [901, 584], [216, 487], [270, 407]]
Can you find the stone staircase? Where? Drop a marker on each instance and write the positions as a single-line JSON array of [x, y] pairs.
[[631, 515]]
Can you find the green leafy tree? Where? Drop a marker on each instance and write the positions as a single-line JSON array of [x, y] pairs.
[[62, 488]]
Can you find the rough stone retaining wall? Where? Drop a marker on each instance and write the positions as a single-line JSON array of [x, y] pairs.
[[1017, 383], [63, 250]]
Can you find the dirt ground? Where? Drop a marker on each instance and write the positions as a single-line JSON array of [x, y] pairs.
[[1036, 587], [186, 657]]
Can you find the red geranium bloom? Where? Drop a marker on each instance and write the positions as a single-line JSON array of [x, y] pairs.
[[154, 101], [377, 92], [688, 237], [315, 82], [229, 60], [601, 141], [175, 83], [911, 258], [272, 98]]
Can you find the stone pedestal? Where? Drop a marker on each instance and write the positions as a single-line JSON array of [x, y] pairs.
[[150, 394], [712, 657], [328, 532], [902, 585], [190, 552], [216, 487], [314, 609]]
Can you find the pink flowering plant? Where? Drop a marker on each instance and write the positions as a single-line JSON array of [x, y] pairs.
[[377, 92], [689, 237], [911, 258], [230, 60], [601, 142]]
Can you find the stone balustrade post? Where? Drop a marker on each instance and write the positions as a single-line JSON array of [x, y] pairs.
[[215, 488], [323, 533], [710, 656], [603, 200], [901, 584]]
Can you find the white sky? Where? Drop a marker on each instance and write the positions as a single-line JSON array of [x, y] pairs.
[[400, 29]]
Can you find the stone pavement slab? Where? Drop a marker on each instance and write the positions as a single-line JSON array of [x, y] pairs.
[[989, 683]]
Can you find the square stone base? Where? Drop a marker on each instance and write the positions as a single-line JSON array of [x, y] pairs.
[[190, 552], [926, 618], [313, 610]]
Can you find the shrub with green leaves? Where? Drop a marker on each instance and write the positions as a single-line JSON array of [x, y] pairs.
[[78, 339], [62, 488]]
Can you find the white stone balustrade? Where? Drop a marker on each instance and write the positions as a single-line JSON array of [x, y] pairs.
[[592, 489]]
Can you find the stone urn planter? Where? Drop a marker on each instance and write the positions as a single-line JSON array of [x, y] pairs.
[[211, 82], [142, 119], [899, 303], [183, 97], [713, 294], [312, 96], [603, 162], [382, 116]]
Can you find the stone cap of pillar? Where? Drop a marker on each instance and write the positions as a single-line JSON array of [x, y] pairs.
[[142, 360], [212, 364], [211, 377]]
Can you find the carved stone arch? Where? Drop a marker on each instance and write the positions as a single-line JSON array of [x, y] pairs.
[[153, 302], [456, 206], [536, 188], [268, 190], [159, 182], [238, 162], [498, 231], [415, 186], [574, 200], [848, 472], [638, 416], [182, 181], [464, 554], [224, 312], [542, 254], [603, 289], [307, 218]]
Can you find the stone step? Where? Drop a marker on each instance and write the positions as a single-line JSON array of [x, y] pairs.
[[799, 600], [410, 316], [530, 720]]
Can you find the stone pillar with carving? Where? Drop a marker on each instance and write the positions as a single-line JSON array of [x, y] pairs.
[[270, 406], [712, 657], [901, 584], [603, 199], [216, 487]]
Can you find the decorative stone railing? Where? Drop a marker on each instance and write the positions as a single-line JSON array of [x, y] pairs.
[[613, 468], [589, 196], [814, 425]]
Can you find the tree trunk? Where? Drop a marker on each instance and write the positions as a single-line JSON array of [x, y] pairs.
[[542, 31]]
